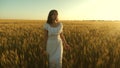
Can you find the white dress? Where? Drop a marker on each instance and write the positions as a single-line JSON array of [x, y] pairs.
[[54, 45]]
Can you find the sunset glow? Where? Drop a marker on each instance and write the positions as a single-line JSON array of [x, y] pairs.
[[68, 9]]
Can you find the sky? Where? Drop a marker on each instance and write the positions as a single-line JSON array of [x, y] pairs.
[[67, 9]]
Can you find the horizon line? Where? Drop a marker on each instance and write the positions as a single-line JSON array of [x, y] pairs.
[[63, 19]]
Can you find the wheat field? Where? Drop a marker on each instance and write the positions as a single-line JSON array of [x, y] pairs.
[[94, 44]]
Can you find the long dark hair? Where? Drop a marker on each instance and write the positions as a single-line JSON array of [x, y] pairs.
[[49, 19]]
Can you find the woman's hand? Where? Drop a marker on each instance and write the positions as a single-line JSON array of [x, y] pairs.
[[67, 47]]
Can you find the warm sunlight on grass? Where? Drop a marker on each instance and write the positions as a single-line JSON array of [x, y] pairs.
[[94, 44]]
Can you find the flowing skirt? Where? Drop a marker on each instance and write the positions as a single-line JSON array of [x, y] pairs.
[[55, 52]]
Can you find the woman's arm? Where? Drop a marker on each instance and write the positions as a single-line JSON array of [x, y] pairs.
[[63, 39], [46, 36]]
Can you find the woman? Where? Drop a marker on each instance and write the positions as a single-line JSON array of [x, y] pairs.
[[54, 39]]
